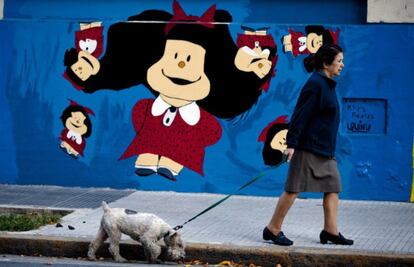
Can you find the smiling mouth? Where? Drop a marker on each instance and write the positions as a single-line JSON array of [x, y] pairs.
[[179, 81], [76, 125], [87, 61], [313, 43]]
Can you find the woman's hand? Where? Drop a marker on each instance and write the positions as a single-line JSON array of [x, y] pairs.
[[289, 152]]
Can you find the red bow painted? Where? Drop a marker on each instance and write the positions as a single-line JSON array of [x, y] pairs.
[[206, 20], [88, 110], [281, 119]]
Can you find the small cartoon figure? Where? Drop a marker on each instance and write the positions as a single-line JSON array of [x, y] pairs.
[[315, 37], [90, 38], [82, 62], [78, 126], [274, 138], [257, 54]]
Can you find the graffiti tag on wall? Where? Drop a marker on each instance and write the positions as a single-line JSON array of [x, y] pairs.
[[364, 115]]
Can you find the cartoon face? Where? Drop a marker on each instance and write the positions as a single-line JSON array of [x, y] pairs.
[[76, 123], [179, 74], [313, 42], [86, 66], [279, 141]]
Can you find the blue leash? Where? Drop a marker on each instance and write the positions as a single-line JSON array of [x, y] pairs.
[[284, 159]]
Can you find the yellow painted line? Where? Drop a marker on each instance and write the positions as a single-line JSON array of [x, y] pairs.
[[412, 186]]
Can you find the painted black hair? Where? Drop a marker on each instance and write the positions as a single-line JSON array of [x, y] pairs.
[[71, 57], [133, 47], [320, 30], [273, 157], [67, 113], [231, 91], [325, 54]]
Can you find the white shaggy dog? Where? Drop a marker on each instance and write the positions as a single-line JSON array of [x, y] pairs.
[[153, 233]]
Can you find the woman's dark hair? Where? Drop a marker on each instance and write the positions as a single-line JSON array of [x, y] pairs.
[[325, 54], [67, 113]]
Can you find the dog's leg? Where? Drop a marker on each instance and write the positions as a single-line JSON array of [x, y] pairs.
[[96, 243], [151, 249], [115, 237]]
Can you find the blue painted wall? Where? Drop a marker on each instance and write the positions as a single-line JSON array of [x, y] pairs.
[[33, 93], [277, 11]]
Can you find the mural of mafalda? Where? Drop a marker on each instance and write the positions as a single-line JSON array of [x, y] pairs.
[[83, 61], [194, 69], [274, 138], [315, 36], [77, 127]]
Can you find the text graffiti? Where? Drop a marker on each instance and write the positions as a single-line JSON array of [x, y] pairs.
[[364, 116]]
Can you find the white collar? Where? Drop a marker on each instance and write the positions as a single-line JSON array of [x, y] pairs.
[[255, 53], [189, 113], [302, 43], [74, 136]]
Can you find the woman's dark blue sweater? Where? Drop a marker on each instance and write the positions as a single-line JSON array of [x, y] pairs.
[[315, 120]]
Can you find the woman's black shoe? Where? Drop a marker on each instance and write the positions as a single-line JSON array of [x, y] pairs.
[[279, 239], [336, 239]]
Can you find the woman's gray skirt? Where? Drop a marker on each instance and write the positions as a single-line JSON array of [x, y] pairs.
[[312, 173]]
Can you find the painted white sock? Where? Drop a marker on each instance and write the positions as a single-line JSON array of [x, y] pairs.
[[151, 167]]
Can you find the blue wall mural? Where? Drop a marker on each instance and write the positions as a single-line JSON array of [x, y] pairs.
[[374, 143]]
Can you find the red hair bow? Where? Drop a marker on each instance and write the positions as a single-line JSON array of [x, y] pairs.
[[88, 110], [207, 19], [281, 119]]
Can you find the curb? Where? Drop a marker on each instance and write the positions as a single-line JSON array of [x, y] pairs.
[[51, 246]]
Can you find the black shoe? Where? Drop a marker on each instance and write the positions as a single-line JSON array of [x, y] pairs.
[[279, 239], [336, 239], [69, 154], [144, 171], [166, 173]]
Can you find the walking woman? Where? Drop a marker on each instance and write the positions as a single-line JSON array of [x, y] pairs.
[[311, 141]]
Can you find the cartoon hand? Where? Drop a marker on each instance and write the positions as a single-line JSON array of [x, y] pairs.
[[253, 60]]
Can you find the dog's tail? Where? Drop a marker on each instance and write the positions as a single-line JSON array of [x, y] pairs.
[[105, 206]]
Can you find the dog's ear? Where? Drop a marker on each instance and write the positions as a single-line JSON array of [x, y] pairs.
[[170, 237], [172, 234]]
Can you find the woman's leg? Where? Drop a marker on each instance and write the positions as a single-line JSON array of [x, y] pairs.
[[286, 200], [330, 209], [330, 230]]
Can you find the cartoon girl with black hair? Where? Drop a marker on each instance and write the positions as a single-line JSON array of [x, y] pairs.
[[82, 62], [78, 127], [274, 138], [315, 36], [257, 53], [190, 69]]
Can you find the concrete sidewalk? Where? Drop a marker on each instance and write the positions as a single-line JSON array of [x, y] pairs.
[[383, 232]]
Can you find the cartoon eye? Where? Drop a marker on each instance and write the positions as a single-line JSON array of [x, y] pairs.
[[88, 45], [175, 56], [188, 58]]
